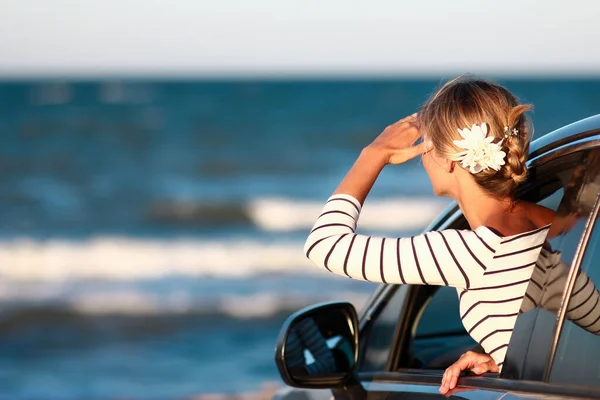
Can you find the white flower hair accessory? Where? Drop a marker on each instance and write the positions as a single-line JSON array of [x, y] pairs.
[[480, 153]]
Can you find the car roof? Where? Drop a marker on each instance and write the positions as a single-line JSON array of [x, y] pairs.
[[586, 128]]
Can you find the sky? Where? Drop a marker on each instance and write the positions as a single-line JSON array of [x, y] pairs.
[[305, 37]]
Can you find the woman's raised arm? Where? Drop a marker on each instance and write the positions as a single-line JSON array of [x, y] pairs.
[[450, 258]]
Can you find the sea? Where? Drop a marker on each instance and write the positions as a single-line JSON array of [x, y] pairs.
[[151, 231]]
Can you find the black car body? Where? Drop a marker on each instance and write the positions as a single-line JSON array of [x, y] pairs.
[[406, 335]]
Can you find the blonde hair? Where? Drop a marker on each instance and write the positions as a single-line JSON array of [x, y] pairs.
[[465, 101]]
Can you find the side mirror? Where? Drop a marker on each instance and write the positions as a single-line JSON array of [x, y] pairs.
[[317, 346]]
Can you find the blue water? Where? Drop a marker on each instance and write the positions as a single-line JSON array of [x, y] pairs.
[[151, 231]]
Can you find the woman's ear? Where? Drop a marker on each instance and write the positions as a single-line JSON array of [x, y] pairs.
[[449, 166]]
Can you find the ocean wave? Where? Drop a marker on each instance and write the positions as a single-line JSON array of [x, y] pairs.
[[124, 259], [130, 302], [277, 214], [120, 258]]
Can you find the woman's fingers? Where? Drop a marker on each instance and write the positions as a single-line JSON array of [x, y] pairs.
[[415, 133], [404, 155], [450, 378], [453, 377], [487, 366], [397, 141], [417, 150], [476, 362], [411, 118], [400, 129], [443, 387]]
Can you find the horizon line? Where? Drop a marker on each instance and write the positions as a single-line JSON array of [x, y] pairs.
[[277, 75]]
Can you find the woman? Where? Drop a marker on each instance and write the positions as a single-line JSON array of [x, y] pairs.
[[475, 143]]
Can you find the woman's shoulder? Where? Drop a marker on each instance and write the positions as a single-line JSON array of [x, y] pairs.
[[497, 235], [534, 233], [538, 214], [525, 219]]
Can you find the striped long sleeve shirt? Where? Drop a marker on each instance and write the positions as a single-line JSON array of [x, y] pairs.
[[490, 272]]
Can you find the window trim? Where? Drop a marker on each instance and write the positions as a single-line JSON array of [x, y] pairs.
[[584, 128], [587, 143], [382, 295], [571, 278], [484, 382]]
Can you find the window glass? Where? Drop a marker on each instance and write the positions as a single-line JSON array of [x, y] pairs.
[[377, 338], [549, 277], [440, 337], [533, 334], [577, 359], [553, 200], [441, 315]]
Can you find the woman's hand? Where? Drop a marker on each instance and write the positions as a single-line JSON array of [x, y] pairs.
[[396, 142], [470, 361], [394, 145]]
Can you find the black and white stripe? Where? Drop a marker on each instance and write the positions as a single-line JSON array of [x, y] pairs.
[[490, 272]]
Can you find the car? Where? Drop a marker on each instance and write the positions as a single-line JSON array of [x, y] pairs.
[[404, 338]]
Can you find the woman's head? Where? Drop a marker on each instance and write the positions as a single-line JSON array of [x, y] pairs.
[[466, 101]]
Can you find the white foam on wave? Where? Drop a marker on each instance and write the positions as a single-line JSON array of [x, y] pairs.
[[121, 258], [124, 258], [131, 301], [392, 214]]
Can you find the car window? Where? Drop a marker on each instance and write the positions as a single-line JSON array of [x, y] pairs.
[[553, 200], [578, 353], [377, 338], [440, 337], [530, 343], [533, 336], [440, 315]]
